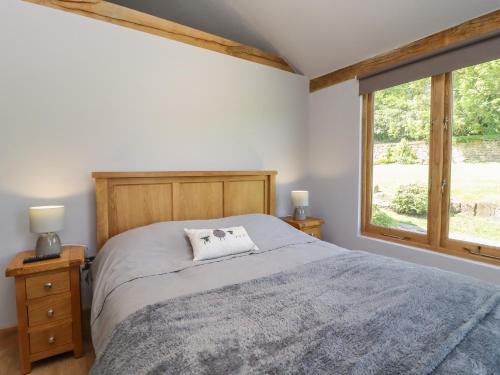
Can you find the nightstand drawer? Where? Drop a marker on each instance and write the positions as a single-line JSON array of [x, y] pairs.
[[313, 231], [47, 284], [310, 226], [49, 309], [47, 339]]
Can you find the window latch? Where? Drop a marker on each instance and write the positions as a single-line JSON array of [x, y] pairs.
[[443, 186], [445, 122], [479, 253], [396, 237]]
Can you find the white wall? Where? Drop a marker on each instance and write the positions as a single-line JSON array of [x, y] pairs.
[[78, 95], [335, 175]]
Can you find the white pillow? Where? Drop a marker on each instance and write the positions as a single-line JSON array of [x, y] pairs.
[[215, 243]]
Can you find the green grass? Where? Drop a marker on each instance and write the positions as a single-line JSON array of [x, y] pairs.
[[462, 227], [387, 218], [381, 218], [455, 139], [470, 228], [475, 138], [470, 183], [475, 182]]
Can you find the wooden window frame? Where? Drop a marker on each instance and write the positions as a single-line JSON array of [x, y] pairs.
[[440, 151]]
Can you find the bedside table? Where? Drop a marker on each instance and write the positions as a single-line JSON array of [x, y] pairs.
[[48, 305], [311, 225]]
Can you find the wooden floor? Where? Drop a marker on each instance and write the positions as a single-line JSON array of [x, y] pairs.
[[62, 364]]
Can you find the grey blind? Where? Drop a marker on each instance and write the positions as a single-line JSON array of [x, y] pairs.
[[445, 60]]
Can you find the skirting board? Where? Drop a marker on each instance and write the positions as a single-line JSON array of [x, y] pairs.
[[7, 331]]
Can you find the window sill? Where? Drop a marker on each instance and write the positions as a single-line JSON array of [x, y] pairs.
[[442, 250]]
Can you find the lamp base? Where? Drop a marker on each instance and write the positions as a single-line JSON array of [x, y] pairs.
[[48, 243], [299, 213]]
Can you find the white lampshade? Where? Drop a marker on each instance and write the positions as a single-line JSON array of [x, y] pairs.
[[300, 198], [46, 219]]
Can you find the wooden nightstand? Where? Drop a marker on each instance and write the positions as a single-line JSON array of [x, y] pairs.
[[48, 305], [311, 225]]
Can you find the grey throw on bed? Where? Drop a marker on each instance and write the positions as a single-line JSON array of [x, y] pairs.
[[353, 313]]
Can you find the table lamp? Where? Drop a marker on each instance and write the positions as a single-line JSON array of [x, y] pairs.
[[46, 220], [300, 199]]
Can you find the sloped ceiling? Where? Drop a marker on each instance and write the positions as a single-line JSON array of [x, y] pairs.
[[318, 36]]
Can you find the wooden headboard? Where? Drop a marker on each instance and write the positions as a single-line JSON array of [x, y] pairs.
[[125, 200]]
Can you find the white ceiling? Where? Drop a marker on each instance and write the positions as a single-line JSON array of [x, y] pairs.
[[318, 36]]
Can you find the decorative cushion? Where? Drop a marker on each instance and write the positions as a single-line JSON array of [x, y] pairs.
[[216, 243]]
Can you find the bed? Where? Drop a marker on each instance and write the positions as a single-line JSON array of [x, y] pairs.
[[297, 305]]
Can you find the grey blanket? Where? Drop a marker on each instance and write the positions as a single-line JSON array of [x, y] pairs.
[[353, 313]]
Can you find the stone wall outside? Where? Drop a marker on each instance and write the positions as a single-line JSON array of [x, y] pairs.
[[472, 152]]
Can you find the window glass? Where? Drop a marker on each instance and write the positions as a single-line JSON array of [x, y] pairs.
[[401, 130], [475, 169]]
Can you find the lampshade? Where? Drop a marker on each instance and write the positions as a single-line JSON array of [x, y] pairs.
[[300, 198], [46, 219]]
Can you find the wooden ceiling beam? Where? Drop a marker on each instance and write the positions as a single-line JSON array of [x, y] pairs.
[[474, 28], [119, 15]]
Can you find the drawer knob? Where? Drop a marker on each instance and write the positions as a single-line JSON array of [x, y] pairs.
[[48, 285], [52, 339], [50, 313]]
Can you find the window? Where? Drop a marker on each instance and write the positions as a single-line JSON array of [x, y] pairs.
[[401, 156], [431, 164]]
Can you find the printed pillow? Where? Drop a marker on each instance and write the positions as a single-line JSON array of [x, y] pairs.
[[216, 243]]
